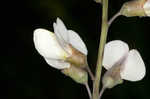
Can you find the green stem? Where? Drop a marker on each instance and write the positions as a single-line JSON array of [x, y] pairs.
[[101, 49]]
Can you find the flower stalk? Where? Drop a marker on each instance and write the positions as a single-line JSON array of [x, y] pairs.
[[113, 18], [101, 49], [88, 90]]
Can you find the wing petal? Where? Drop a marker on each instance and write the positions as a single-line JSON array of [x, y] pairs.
[[134, 67], [77, 42], [60, 30]]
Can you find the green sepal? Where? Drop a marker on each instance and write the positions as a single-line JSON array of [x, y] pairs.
[[109, 82], [112, 76], [77, 74]]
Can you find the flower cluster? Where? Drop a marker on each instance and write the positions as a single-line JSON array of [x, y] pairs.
[[65, 50]]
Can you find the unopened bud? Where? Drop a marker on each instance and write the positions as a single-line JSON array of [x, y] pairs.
[[136, 8], [98, 1], [77, 74], [132, 8]]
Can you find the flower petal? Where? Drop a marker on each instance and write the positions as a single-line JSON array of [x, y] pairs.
[[77, 42], [68, 36], [47, 45], [134, 67], [147, 7], [59, 38], [113, 52], [58, 64], [60, 30]]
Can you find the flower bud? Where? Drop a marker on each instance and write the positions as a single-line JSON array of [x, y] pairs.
[[77, 74], [136, 8], [132, 8], [98, 1]]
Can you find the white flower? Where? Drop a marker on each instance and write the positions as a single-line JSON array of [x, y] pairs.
[[133, 67], [55, 47]]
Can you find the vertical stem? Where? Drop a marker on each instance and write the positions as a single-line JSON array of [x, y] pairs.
[[101, 49]]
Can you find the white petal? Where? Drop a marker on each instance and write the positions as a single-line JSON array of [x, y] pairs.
[[134, 67], [77, 42], [59, 38], [147, 7], [113, 52], [60, 30], [47, 45], [65, 37], [58, 64]]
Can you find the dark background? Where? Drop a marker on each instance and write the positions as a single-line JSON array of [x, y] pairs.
[[25, 74]]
